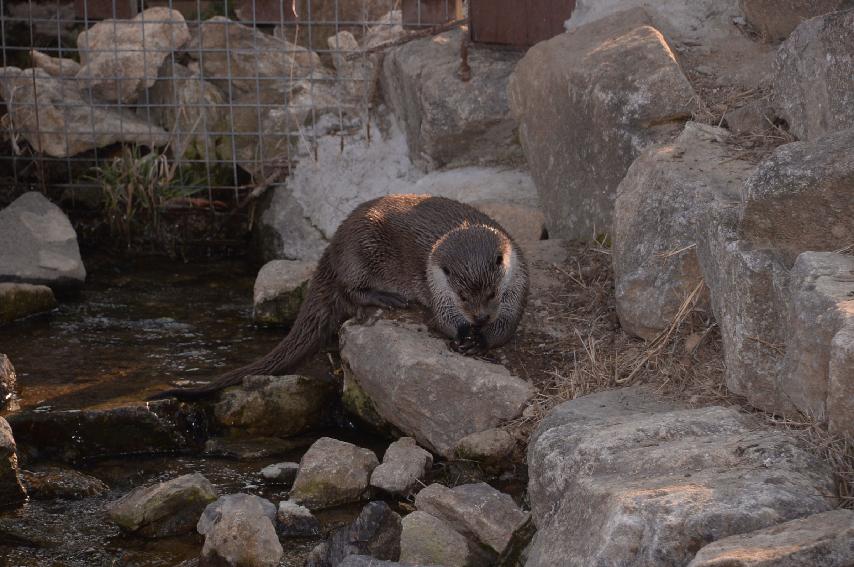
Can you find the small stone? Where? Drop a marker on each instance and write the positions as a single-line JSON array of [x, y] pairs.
[[477, 511], [753, 118], [332, 473], [490, 447], [55, 66], [279, 291], [239, 531], [405, 466], [293, 520], [821, 540], [19, 300], [164, 509], [280, 473], [52, 482], [427, 540], [8, 382], [275, 406]]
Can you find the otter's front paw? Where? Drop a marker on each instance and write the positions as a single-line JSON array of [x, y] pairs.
[[470, 345]]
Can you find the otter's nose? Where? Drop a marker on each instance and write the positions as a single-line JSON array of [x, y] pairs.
[[481, 320]]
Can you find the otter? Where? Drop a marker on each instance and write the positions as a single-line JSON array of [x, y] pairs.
[[396, 250]]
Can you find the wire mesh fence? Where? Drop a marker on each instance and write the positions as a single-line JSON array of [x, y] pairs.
[[189, 102]]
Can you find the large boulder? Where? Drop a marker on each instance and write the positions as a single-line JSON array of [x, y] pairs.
[[774, 20], [143, 428], [121, 58], [813, 81], [477, 511], [164, 509], [659, 482], [656, 216], [19, 300], [588, 102], [38, 245], [275, 406], [818, 368], [822, 540], [279, 291], [801, 198], [450, 122], [55, 119], [405, 376], [11, 490], [332, 473], [239, 531]]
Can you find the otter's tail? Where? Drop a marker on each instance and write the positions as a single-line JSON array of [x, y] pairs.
[[322, 310]]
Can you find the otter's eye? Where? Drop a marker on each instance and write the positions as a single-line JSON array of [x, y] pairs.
[[446, 271], [499, 260], [491, 295], [463, 297]]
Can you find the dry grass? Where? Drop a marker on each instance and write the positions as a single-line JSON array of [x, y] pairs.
[[593, 353]]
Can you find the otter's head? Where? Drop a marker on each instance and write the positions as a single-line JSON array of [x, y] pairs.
[[469, 268]]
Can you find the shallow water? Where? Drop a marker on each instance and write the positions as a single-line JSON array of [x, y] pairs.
[[137, 328]]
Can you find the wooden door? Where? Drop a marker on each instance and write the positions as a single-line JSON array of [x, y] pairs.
[[520, 23]]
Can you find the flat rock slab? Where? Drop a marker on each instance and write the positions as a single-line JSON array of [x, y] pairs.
[[657, 483], [275, 406], [332, 473], [164, 509], [38, 245], [48, 483], [18, 300], [279, 291], [238, 530], [813, 80], [147, 428], [588, 102], [417, 384], [250, 448], [477, 511], [822, 540]]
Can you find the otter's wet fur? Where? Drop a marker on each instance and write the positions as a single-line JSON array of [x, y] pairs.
[[391, 251]]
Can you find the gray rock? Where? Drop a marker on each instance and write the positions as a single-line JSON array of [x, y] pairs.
[[376, 531], [657, 484], [191, 110], [293, 520], [813, 79], [252, 448], [407, 376], [754, 118], [477, 511], [143, 428], [11, 490], [280, 473], [774, 20], [19, 300], [822, 540], [429, 540], [164, 509], [818, 366], [237, 57], [490, 447], [368, 561], [275, 406], [584, 119], [449, 122], [55, 66], [656, 217], [799, 198], [8, 382], [279, 291], [39, 245], [332, 473], [238, 530], [283, 230], [404, 468], [121, 58], [55, 119], [48, 483]]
